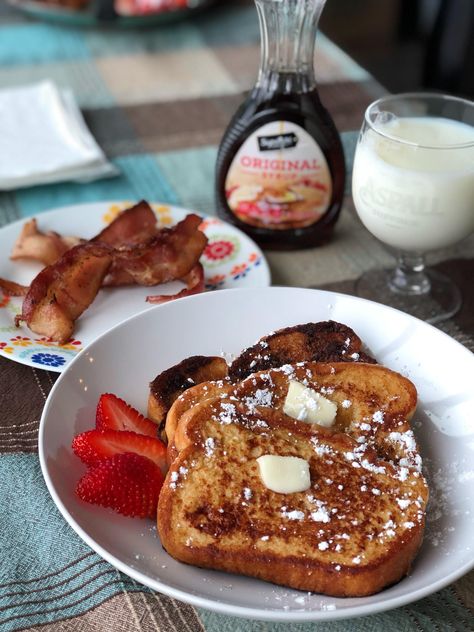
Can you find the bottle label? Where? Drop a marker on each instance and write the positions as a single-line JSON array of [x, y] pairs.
[[279, 178]]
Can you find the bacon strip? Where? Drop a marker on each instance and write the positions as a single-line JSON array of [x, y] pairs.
[[194, 285], [133, 226], [62, 291], [167, 256], [10, 288], [43, 247]]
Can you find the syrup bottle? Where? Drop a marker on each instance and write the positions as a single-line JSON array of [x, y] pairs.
[[280, 167]]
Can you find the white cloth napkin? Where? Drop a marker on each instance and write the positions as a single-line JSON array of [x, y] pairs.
[[43, 138]]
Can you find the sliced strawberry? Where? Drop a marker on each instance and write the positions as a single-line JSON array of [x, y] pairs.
[[114, 413], [128, 483], [95, 445]]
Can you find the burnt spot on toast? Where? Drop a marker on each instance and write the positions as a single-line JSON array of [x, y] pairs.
[[168, 385], [216, 521], [326, 341]]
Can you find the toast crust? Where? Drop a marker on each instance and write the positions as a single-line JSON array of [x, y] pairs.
[[353, 533], [197, 394]]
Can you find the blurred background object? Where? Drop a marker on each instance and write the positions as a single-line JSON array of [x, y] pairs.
[[405, 44], [408, 44], [129, 13]]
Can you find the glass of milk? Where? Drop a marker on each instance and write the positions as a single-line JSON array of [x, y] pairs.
[[413, 189]]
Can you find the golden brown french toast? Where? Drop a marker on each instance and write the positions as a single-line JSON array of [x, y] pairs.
[[197, 394], [169, 384], [374, 404], [353, 532], [326, 341]]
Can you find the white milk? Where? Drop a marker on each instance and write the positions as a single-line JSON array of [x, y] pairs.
[[411, 197]]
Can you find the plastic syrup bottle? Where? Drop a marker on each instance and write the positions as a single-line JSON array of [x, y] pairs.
[[280, 167]]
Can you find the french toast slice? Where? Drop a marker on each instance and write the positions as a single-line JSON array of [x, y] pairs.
[[325, 341], [169, 384], [374, 404], [355, 531], [189, 398]]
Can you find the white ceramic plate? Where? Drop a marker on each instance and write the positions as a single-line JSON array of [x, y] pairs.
[[124, 361], [230, 260]]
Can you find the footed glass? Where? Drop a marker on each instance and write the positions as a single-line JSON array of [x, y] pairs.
[[413, 189]]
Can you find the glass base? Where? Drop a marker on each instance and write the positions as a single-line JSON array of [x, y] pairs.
[[437, 301]]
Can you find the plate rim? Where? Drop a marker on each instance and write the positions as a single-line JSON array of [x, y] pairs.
[[18, 223], [223, 607]]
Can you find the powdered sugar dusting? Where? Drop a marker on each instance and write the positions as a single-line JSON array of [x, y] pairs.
[[247, 492], [261, 397], [210, 446], [227, 413], [322, 513], [295, 514], [442, 502], [321, 448], [378, 417]]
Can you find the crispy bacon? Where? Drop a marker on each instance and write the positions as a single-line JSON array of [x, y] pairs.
[[62, 291], [133, 226], [10, 288], [43, 247], [194, 285], [167, 256]]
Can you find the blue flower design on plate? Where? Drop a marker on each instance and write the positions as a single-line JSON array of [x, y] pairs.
[[215, 286], [48, 359], [241, 275]]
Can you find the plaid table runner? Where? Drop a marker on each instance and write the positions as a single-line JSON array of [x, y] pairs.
[[157, 100]]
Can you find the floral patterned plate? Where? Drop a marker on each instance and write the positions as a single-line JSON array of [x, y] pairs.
[[230, 260]]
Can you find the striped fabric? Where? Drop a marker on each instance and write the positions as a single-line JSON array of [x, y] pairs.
[[157, 100]]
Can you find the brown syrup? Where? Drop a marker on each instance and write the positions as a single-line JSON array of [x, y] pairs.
[[292, 98]]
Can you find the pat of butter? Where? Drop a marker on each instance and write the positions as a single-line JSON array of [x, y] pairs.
[[284, 474], [305, 404]]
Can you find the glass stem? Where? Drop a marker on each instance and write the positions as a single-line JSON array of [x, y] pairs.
[[409, 277]]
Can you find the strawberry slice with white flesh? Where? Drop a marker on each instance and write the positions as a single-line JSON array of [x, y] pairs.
[[114, 413], [96, 445]]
